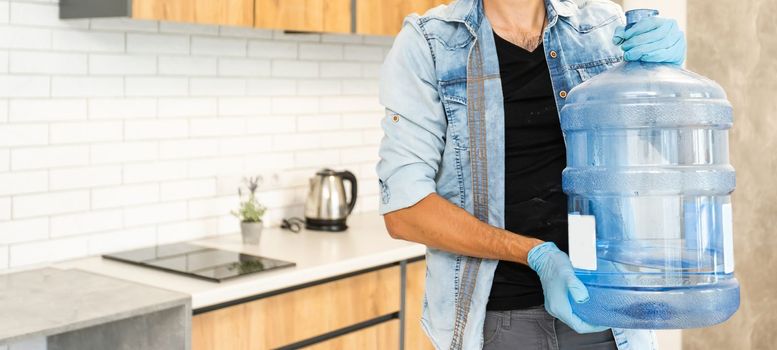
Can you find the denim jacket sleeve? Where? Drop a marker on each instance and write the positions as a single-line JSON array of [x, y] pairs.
[[414, 125]]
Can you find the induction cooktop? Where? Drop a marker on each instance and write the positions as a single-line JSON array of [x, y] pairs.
[[207, 263]]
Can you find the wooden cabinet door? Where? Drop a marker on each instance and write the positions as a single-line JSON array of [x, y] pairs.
[[383, 336], [291, 317], [415, 338], [384, 17], [304, 15], [223, 12]]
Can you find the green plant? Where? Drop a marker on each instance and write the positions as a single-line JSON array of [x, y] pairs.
[[250, 209]]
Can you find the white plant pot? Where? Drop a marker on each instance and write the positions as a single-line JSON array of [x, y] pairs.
[[251, 231]]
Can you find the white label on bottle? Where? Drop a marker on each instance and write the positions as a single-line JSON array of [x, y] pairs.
[[582, 241], [728, 238]]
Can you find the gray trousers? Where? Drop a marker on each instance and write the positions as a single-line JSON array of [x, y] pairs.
[[535, 329]]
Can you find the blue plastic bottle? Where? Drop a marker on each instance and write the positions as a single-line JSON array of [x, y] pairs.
[[649, 184]]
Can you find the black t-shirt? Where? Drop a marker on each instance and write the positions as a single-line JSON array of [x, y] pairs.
[[535, 155]]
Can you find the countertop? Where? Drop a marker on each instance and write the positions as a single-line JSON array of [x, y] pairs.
[[44, 302], [318, 256]]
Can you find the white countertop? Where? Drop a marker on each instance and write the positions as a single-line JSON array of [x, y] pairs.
[[318, 255]]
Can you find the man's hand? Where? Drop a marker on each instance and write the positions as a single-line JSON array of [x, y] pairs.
[[559, 285], [652, 39]]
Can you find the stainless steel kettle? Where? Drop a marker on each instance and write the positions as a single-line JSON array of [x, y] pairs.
[[327, 208]]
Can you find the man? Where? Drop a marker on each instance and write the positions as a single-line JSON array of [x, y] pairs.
[[472, 157]]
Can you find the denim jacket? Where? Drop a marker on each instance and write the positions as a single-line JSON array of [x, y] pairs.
[[444, 134]]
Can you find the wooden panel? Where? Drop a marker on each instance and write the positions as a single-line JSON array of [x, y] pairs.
[[290, 317], [378, 17], [169, 10], [384, 336], [304, 15], [415, 338], [421, 6], [225, 12], [299, 15], [337, 16], [384, 17]]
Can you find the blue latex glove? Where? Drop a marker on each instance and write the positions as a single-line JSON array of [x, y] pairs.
[[652, 39], [560, 285]]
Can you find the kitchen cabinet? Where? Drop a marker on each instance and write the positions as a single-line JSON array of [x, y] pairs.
[[371, 17], [332, 16], [223, 12], [226, 12], [302, 314], [414, 297], [384, 336], [371, 299], [384, 17]]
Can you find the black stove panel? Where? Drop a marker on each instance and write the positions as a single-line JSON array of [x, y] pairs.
[[197, 261]]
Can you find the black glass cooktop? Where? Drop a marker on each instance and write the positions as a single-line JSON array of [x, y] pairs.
[[197, 261]]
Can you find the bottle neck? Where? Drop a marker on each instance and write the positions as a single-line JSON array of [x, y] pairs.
[[634, 16]]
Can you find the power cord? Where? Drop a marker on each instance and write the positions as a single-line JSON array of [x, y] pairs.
[[293, 224]]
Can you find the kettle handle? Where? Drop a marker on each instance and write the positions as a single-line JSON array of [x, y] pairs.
[[350, 177]]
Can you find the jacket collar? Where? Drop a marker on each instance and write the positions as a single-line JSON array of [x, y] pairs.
[[470, 12]]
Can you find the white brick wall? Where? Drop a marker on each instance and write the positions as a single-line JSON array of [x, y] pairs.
[[47, 62], [119, 64], [65, 86], [187, 66], [43, 204], [118, 133], [34, 110]]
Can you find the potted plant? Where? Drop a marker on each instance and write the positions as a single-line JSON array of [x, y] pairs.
[[250, 212]]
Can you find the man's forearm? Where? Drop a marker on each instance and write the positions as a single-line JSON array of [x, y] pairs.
[[437, 223]]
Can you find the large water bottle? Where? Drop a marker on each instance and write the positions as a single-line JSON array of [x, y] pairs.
[[649, 184]]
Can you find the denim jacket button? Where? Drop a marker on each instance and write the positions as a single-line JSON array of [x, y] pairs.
[[563, 94], [553, 54]]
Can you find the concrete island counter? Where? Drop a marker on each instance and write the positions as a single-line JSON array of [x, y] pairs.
[[70, 309]]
